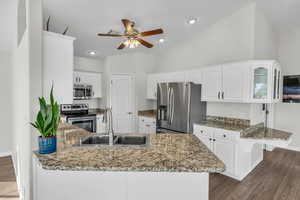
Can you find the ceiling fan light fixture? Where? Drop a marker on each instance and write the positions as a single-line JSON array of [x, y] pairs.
[[131, 43], [161, 40]]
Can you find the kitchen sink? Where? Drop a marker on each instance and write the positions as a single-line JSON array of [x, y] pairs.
[[97, 139], [131, 140], [118, 140]]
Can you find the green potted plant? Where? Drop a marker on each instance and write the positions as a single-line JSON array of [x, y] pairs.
[[47, 121]]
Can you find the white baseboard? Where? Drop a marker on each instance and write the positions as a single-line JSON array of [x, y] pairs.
[[293, 148], [4, 154]]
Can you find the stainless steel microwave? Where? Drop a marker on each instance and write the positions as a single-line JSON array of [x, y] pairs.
[[82, 92]]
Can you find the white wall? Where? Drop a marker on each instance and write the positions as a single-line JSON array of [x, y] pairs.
[[228, 40], [265, 42], [91, 65], [27, 86], [6, 121], [287, 115]]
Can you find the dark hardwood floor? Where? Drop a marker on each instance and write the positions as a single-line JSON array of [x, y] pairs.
[[8, 185], [277, 177]]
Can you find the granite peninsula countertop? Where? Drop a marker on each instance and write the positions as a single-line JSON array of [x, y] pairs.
[[166, 153], [257, 132], [147, 113], [260, 132]]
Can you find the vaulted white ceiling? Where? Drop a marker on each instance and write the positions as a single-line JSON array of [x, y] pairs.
[[87, 18], [283, 14]]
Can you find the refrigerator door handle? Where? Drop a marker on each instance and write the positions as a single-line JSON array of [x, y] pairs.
[[168, 106], [173, 105]]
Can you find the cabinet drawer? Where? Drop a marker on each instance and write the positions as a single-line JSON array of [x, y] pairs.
[[226, 135], [202, 131]]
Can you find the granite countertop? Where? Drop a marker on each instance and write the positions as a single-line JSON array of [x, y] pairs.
[[225, 126], [260, 132], [230, 124], [147, 113], [166, 153]]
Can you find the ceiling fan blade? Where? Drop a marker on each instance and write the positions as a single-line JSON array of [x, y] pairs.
[[149, 33], [127, 24], [143, 42], [110, 35], [121, 46]]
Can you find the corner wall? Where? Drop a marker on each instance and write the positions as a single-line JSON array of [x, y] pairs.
[[6, 135], [287, 115]]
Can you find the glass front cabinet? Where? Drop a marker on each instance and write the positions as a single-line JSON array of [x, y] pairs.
[[266, 82]]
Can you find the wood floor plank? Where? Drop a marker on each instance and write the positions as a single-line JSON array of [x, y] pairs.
[[276, 178], [8, 185]]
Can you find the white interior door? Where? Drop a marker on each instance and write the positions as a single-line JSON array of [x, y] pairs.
[[122, 103]]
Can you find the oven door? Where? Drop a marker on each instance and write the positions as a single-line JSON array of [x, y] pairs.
[[86, 123]]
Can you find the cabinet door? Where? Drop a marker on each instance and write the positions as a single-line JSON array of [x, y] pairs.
[[75, 78], [100, 125], [142, 125], [211, 83], [152, 81], [234, 82], [207, 141], [225, 151], [90, 78], [261, 83]]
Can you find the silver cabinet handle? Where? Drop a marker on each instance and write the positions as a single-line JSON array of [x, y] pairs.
[[218, 95], [222, 95]]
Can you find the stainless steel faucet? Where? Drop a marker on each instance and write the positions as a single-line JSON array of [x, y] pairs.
[[108, 120]]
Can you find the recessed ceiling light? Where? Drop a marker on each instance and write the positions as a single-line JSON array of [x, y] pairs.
[[161, 40], [92, 53], [192, 21]]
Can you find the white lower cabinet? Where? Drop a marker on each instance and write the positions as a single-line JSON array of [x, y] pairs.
[[100, 126], [147, 125], [227, 147]]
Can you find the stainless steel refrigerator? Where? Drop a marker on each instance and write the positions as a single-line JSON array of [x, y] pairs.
[[179, 106]]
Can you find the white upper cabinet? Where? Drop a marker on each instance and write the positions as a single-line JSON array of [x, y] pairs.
[[90, 78], [235, 81], [58, 56], [254, 81], [212, 83], [266, 82], [152, 81]]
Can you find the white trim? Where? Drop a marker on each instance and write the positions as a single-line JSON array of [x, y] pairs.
[[4, 154], [292, 148], [52, 34]]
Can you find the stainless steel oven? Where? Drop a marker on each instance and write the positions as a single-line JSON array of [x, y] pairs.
[[78, 115], [85, 122], [82, 92]]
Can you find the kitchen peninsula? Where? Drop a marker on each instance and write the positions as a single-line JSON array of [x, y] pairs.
[[161, 170]]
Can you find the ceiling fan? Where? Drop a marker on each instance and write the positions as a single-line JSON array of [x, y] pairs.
[[133, 36]]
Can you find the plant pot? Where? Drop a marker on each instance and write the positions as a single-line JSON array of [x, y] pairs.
[[47, 145]]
